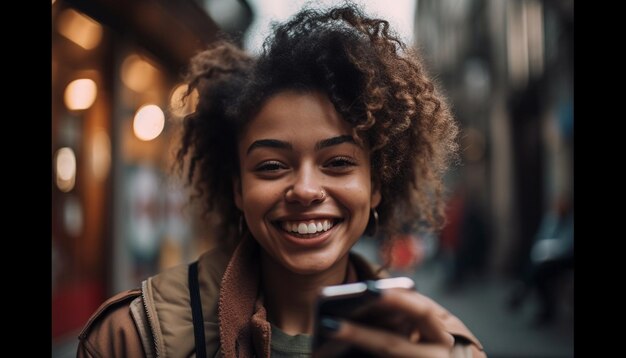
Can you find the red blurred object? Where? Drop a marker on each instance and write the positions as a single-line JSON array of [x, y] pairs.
[[404, 252], [73, 304], [449, 237]]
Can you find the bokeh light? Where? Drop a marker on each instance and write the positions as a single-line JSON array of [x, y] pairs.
[[80, 29], [65, 164], [180, 107], [80, 94], [137, 73], [148, 122]]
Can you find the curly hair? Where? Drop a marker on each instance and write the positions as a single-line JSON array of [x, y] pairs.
[[374, 81]]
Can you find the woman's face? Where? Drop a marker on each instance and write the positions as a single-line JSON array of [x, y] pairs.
[[305, 186]]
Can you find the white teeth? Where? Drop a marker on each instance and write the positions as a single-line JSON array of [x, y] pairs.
[[308, 227]]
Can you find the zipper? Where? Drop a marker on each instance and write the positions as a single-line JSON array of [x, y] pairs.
[[145, 307]]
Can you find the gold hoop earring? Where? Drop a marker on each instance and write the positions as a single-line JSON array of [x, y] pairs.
[[372, 225], [241, 225]]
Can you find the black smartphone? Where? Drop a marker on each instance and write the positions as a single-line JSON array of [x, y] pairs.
[[357, 302]]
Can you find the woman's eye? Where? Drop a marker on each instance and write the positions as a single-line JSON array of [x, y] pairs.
[[340, 163], [270, 166]]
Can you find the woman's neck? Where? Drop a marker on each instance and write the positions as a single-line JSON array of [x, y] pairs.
[[290, 298]]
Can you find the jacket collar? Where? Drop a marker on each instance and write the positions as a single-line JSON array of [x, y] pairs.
[[238, 303]]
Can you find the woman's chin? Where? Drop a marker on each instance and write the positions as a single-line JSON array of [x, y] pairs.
[[312, 264]]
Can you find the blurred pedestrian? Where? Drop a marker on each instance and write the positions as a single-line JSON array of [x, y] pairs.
[[551, 260], [334, 130]]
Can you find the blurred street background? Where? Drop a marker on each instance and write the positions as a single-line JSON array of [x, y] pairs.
[[503, 263]]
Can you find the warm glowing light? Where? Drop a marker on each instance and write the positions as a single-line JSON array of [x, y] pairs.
[[80, 94], [180, 107], [65, 164], [100, 154], [137, 73], [149, 122], [80, 29]]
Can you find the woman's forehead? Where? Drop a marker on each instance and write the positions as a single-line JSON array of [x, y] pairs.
[[290, 111]]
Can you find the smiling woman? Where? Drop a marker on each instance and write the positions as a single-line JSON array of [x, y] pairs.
[[301, 169], [334, 129]]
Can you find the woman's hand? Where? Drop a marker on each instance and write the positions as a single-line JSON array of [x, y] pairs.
[[426, 338]]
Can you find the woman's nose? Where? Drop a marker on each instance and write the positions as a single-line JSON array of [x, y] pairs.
[[306, 189]]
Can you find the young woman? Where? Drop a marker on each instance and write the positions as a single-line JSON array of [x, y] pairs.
[[333, 131]]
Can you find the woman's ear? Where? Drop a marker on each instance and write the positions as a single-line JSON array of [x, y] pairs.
[[376, 196], [237, 193]]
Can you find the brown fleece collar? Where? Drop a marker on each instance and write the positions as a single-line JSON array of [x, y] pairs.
[[238, 296]]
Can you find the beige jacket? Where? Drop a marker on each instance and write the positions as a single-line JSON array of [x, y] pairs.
[[156, 320]]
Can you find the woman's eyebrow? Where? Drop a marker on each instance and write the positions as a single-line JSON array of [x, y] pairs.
[[334, 141], [275, 143], [271, 143]]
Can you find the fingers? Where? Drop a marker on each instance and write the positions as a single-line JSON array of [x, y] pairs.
[[422, 310], [386, 344], [414, 336]]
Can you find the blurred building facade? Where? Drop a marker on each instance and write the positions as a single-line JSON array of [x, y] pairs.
[[507, 67], [117, 213]]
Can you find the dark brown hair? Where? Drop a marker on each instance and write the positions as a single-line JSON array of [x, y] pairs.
[[374, 81]]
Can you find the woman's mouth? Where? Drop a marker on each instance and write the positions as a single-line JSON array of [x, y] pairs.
[[307, 228]]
